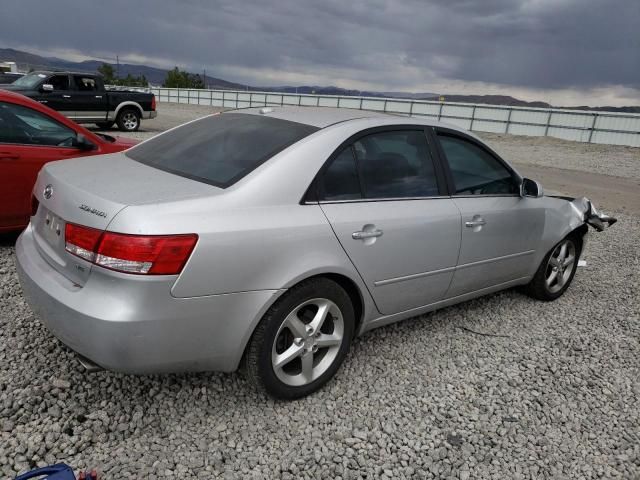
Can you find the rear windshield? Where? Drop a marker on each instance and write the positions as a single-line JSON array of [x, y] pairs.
[[220, 149]]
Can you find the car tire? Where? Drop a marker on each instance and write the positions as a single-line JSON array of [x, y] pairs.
[[128, 120], [288, 356], [556, 272], [105, 125]]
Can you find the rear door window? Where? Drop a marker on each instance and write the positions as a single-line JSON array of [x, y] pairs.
[[396, 164], [340, 180], [384, 165], [84, 84], [220, 149]]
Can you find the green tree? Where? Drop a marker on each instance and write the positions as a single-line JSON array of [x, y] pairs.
[[107, 72], [110, 78], [178, 79]]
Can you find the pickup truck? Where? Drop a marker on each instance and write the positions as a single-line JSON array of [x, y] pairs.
[[83, 98]]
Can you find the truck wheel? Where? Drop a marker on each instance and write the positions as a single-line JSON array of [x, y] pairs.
[[128, 120], [105, 125]]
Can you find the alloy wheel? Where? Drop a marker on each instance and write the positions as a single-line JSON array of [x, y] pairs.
[[130, 121], [560, 266], [307, 342]]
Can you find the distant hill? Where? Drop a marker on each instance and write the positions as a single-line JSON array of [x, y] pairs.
[[506, 100], [331, 90], [494, 100], [156, 76]]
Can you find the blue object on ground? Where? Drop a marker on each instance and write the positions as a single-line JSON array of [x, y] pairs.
[[60, 471]]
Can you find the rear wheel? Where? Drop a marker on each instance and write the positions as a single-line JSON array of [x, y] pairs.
[[128, 120], [105, 125], [302, 340], [556, 271]]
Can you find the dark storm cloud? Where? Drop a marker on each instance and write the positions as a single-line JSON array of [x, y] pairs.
[[528, 43]]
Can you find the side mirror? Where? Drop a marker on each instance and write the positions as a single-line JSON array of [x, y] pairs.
[[83, 143], [46, 87], [531, 188]]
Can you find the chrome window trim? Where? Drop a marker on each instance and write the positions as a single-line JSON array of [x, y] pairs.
[[369, 200], [487, 195]]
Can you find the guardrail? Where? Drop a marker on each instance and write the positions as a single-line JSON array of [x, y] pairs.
[[577, 125]]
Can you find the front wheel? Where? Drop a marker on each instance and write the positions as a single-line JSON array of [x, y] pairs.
[[128, 120], [556, 271], [302, 340]]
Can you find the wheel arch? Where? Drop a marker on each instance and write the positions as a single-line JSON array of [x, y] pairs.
[[350, 286], [128, 104]]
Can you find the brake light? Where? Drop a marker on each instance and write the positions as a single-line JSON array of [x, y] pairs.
[[140, 254], [153, 103]]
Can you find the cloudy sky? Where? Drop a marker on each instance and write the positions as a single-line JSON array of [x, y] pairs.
[[566, 52]]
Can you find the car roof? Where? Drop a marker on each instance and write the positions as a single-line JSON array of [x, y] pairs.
[[322, 117], [65, 72]]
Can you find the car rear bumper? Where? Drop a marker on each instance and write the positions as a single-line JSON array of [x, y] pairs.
[[132, 324]]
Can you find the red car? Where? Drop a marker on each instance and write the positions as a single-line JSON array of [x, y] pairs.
[[31, 135]]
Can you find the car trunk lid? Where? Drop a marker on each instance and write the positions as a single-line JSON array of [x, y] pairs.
[[90, 192]]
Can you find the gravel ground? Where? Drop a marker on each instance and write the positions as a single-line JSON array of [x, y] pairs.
[[169, 115], [553, 395], [613, 160]]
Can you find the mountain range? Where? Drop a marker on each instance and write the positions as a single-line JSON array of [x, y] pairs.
[[27, 61]]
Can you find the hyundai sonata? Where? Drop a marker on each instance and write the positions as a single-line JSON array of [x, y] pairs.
[[271, 237]]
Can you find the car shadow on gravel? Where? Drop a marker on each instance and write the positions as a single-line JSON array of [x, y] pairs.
[[8, 239]]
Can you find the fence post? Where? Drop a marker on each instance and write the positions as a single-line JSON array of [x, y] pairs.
[[593, 126], [546, 129], [384, 108], [506, 130], [473, 116], [361, 103], [411, 109], [440, 111]]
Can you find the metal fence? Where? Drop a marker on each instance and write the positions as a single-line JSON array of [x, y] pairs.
[[576, 125]]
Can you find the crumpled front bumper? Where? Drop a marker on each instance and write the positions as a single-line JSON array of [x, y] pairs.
[[590, 214]]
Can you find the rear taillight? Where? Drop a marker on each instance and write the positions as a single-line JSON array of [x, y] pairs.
[[34, 205], [141, 254], [153, 103]]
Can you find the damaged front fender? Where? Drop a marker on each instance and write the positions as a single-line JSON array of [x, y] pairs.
[[589, 214]]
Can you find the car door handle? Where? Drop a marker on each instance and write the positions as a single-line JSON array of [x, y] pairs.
[[9, 156], [66, 96], [364, 234], [475, 223]]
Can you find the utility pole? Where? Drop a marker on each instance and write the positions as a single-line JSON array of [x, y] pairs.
[[117, 67], [204, 78]]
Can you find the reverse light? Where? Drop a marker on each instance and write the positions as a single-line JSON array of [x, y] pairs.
[[139, 254]]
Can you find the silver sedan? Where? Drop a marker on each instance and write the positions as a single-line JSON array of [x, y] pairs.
[[271, 237]]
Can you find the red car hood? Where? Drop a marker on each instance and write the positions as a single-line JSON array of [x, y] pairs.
[[126, 142]]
